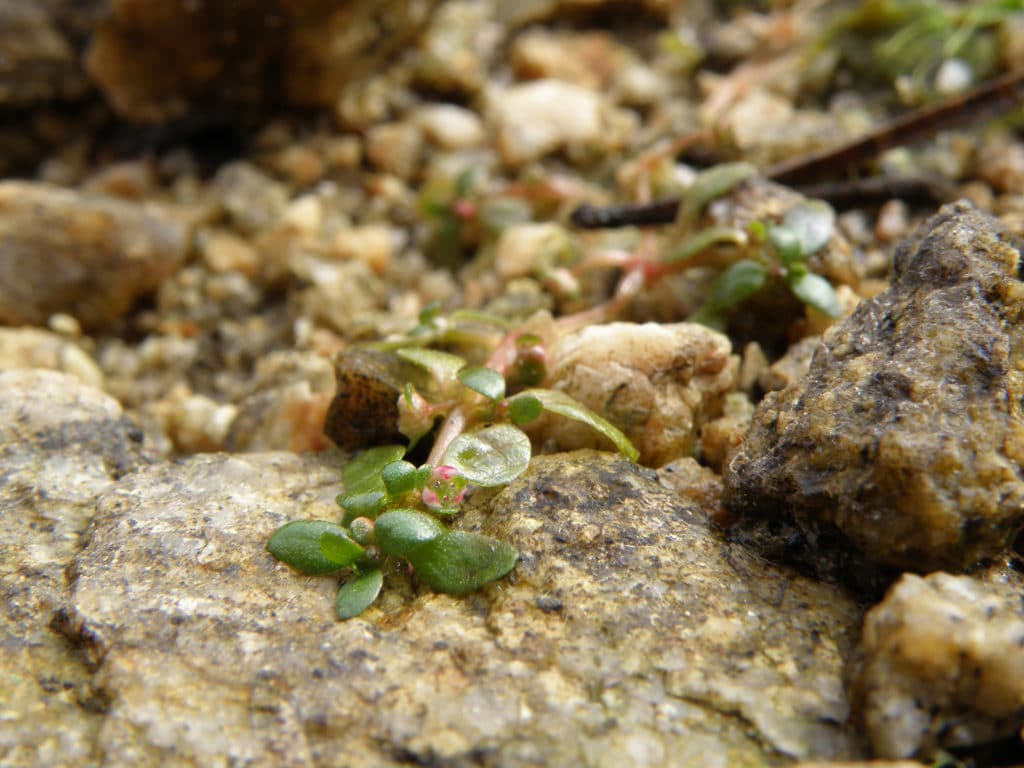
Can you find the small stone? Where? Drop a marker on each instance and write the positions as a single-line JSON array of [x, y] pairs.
[[286, 405], [195, 423], [893, 221], [395, 148], [36, 348], [254, 200], [224, 251], [364, 411], [588, 60], [940, 665], [450, 127], [457, 46], [373, 244], [535, 119], [87, 256], [533, 248], [720, 437], [657, 383]]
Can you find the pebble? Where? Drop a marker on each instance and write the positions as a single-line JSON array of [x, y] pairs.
[[450, 127], [395, 148], [541, 117]]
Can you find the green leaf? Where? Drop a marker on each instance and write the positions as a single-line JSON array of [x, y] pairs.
[[815, 291], [361, 505], [740, 281], [441, 365], [399, 478], [710, 184], [786, 244], [398, 531], [489, 457], [813, 222], [339, 548], [523, 409], [298, 544], [705, 239], [358, 593], [485, 381], [459, 562], [564, 405], [362, 473]]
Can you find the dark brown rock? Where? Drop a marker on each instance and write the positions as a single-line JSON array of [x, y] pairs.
[[84, 255], [364, 411], [906, 438], [156, 60]]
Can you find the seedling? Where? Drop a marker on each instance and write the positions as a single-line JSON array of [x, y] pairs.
[[776, 252], [393, 509]]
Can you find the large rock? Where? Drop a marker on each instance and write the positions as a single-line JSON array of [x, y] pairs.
[[629, 633], [941, 665], [906, 438], [61, 445], [84, 255], [156, 60]]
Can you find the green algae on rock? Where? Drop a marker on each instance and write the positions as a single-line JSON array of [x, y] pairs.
[[906, 437]]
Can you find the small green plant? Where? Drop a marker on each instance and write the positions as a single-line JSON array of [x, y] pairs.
[[393, 509], [776, 252], [903, 43]]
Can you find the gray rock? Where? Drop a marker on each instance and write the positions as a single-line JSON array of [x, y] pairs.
[[941, 665], [87, 256], [61, 444], [629, 633], [905, 441]]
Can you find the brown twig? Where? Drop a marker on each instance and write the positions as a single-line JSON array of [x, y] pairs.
[[979, 103]]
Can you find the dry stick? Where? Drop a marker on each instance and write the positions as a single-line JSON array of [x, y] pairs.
[[984, 101]]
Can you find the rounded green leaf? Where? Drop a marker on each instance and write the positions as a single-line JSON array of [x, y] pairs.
[[524, 409], [459, 562], [298, 544], [813, 222], [358, 593], [362, 473], [492, 456], [740, 281], [815, 291], [786, 244], [485, 381], [361, 505], [564, 405], [340, 548], [399, 478], [401, 530]]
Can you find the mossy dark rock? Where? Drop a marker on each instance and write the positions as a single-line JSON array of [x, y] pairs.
[[905, 441]]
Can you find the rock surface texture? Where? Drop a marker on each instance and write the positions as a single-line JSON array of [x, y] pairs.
[[941, 665], [630, 633], [61, 445], [907, 435]]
